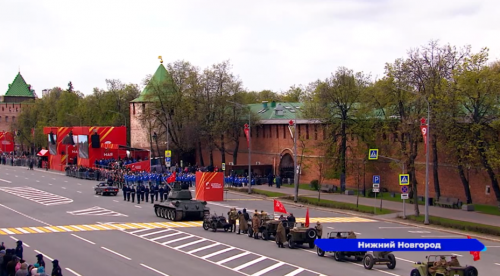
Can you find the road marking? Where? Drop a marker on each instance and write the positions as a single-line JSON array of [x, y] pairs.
[[79, 192], [419, 232], [233, 258], [17, 176], [383, 271], [405, 260], [66, 181], [116, 253], [218, 252], [397, 227], [24, 244], [455, 236], [7, 231], [79, 184], [264, 271], [497, 263], [22, 230], [53, 179], [115, 200], [72, 271], [203, 248], [64, 188], [96, 211], [176, 240], [50, 184], [155, 270], [78, 237], [138, 206], [44, 255], [6, 181], [295, 272], [190, 243], [152, 233], [38, 196], [166, 236], [24, 215], [249, 263]]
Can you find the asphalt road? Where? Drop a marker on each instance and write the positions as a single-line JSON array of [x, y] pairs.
[[103, 235]]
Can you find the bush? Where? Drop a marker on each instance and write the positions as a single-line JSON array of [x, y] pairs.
[[315, 185]]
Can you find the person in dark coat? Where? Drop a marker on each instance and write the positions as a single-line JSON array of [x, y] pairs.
[[152, 194], [157, 191], [40, 260], [129, 190], [291, 218], [11, 266], [162, 192], [124, 190], [19, 249], [146, 193], [6, 259], [139, 193], [56, 269], [132, 193]]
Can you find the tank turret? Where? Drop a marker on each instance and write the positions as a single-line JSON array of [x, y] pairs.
[[180, 205]]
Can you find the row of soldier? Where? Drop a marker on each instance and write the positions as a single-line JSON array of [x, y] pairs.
[[144, 192]]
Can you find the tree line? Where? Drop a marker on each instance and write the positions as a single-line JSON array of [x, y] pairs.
[[205, 109]]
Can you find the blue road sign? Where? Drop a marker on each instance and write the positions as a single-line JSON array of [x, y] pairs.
[[376, 179], [404, 189], [404, 179], [168, 159], [373, 154]]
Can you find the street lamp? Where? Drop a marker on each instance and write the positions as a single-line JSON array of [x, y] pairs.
[[74, 116], [295, 167], [248, 127]]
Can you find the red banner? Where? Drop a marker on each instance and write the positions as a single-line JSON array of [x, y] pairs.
[[475, 254], [171, 178], [247, 134], [278, 207], [140, 166], [423, 129], [210, 186]]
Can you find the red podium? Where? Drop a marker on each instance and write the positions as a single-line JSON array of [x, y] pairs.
[[210, 186]]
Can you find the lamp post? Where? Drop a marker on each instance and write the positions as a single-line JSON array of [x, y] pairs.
[[293, 123], [168, 133], [249, 136], [426, 220]]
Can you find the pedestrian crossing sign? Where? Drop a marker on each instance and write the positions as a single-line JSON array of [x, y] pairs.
[[373, 154], [404, 179], [223, 166]]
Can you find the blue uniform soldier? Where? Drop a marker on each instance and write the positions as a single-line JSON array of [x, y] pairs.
[[139, 194], [129, 190], [132, 193], [162, 191], [124, 190], [146, 192]]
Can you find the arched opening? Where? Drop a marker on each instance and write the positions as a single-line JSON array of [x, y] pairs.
[[286, 167]]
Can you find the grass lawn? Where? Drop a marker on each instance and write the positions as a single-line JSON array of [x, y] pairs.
[[459, 224], [487, 209], [342, 205]]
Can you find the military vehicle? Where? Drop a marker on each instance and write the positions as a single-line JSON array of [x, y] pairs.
[[104, 188], [372, 258], [267, 227], [215, 222], [180, 205], [422, 268], [338, 255], [299, 234]]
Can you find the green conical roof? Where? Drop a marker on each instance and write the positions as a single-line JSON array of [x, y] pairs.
[[19, 88], [160, 77]]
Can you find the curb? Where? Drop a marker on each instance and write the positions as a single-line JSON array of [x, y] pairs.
[[363, 215]]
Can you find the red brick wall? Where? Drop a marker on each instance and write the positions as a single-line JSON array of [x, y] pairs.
[[12, 111], [268, 145]]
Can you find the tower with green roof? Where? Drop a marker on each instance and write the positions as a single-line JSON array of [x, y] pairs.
[[19, 93]]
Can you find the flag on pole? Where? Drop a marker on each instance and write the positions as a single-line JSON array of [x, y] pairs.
[[247, 134], [278, 207], [307, 217], [476, 254], [171, 178]]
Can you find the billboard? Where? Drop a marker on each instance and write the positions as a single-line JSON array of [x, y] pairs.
[[52, 147], [210, 186], [83, 146]]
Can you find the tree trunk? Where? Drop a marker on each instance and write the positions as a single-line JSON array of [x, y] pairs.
[[412, 172], [235, 151], [211, 157], [151, 145], [465, 183], [435, 166], [222, 149], [343, 149], [200, 153]]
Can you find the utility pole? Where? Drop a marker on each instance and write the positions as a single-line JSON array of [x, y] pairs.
[[426, 220]]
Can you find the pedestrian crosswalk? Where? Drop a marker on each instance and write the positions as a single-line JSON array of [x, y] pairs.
[[229, 257], [96, 211], [38, 196]]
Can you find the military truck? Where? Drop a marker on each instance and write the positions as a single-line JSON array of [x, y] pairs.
[[338, 255], [299, 234], [180, 205], [422, 268], [262, 222]]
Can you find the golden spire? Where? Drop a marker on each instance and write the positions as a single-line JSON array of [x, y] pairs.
[[161, 59]]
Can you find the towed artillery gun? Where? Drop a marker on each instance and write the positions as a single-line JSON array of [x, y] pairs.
[[180, 205], [423, 268], [372, 258]]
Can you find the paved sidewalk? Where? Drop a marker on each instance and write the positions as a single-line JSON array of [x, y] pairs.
[[457, 214]]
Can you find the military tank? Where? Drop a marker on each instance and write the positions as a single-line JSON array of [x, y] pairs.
[[180, 205]]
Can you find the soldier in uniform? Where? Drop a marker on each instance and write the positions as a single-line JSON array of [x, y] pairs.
[[351, 235], [152, 194], [454, 261], [156, 191], [129, 190], [146, 192], [139, 194], [255, 225], [124, 191], [280, 235], [132, 193], [439, 266], [167, 190], [162, 191], [243, 225], [232, 216], [319, 229]]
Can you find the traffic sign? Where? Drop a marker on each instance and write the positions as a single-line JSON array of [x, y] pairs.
[[376, 186], [404, 196], [168, 160], [168, 153], [223, 166], [376, 190], [376, 179], [404, 179], [404, 189], [373, 154]]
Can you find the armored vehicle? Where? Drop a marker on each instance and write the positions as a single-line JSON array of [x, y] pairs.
[[215, 222], [422, 268], [180, 205], [340, 256], [299, 234]]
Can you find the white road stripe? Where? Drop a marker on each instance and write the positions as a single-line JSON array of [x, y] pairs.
[[218, 252], [7, 231], [203, 248], [44, 255], [91, 227], [264, 271], [72, 271], [156, 232], [65, 229], [155, 270], [79, 228], [497, 263], [189, 244], [295, 272], [138, 231], [51, 230], [25, 244], [22, 230], [36, 229], [78, 237], [79, 192], [176, 240], [233, 258], [166, 236], [397, 227], [116, 253], [7, 181], [249, 263]]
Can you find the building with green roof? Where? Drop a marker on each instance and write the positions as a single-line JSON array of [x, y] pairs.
[[18, 94]]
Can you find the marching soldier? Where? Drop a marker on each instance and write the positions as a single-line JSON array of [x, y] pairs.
[[132, 193], [154, 190], [162, 191], [233, 216], [139, 194], [167, 191], [129, 190], [146, 192], [124, 191], [142, 192]]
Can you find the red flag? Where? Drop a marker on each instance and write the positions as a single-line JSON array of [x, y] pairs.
[[278, 207], [171, 178], [247, 134], [307, 218], [475, 254]]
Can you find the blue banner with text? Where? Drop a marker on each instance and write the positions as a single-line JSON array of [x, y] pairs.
[[353, 245]]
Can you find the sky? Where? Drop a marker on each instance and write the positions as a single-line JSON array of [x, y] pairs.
[[271, 44]]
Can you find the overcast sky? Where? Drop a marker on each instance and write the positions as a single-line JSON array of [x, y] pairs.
[[272, 44]]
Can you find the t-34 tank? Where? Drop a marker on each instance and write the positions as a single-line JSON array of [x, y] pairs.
[[180, 205]]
